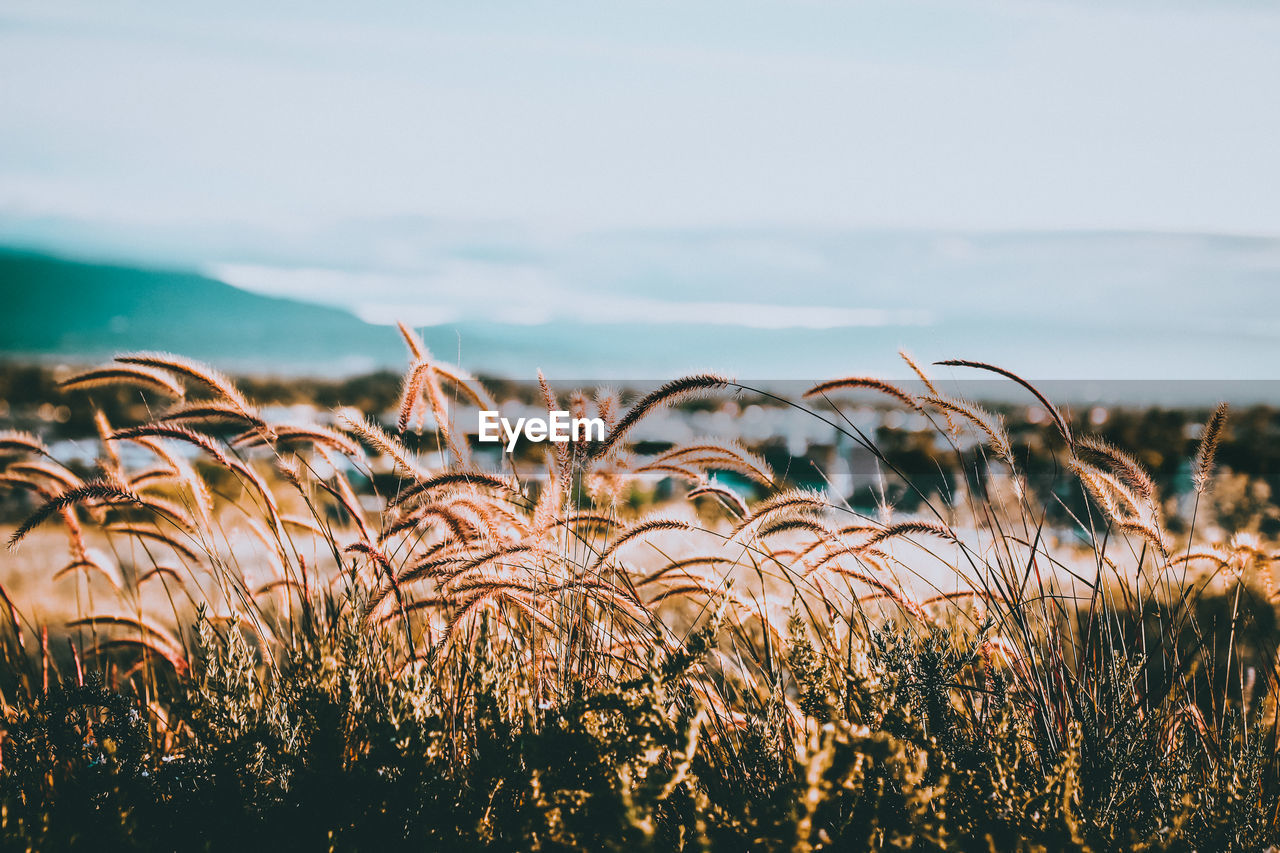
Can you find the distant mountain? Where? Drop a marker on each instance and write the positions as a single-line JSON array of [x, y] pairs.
[[84, 311]]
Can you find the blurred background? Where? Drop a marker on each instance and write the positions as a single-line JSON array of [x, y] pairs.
[[1075, 190]]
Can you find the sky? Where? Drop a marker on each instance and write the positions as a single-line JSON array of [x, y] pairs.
[[580, 116], [1075, 188]]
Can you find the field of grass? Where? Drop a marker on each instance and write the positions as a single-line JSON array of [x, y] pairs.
[[236, 632]]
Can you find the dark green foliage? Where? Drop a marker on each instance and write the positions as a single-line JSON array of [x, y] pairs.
[[920, 744]]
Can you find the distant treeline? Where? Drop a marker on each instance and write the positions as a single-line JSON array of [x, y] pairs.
[[1163, 439]]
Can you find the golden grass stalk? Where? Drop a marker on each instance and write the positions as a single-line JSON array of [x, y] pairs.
[[377, 438], [790, 501], [96, 491], [46, 471], [320, 436], [466, 478], [668, 395], [19, 441], [716, 453], [421, 379], [638, 531], [216, 411], [125, 374], [1202, 470], [1128, 469], [142, 531], [214, 380], [864, 383], [990, 424], [1058, 420], [909, 528], [728, 497]]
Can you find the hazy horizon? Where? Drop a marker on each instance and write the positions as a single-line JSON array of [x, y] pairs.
[[1075, 189]]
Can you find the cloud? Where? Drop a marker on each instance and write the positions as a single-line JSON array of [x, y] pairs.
[[465, 292]]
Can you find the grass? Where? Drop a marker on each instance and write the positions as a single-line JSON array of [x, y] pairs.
[[276, 643]]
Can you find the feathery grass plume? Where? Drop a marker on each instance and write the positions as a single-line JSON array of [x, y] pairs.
[[561, 457], [347, 498], [142, 531], [668, 395], [217, 411], [908, 528], [417, 348], [928, 384], [412, 409], [88, 567], [379, 559], [132, 623], [1096, 483], [112, 463], [483, 516], [155, 475], [421, 379], [1202, 470], [638, 530], [1128, 469], [671, 468], [1215, 555], [607, 405], [899, 596], [161, 572], [128, 374], [425, 569], [1052, 410], [95, 491], [1110, 493], [484, 582], [577, 404], [210, 446], [19, 441], [790, 524], [726, 496], [185, 472], [175, 512], [320, 436], [377, 438], [176, 433], [682, 567], [460, 528], [471, 387], [47, 471], [589, 520], [716, 453], [491, 556], [790, 501], [466, 478], [1123, 495], [547, 510], [822, 389], [1147, 531], [214, 380], [915, 368], [991, 424]]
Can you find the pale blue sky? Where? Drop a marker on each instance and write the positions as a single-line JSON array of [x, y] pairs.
[[578, 116]]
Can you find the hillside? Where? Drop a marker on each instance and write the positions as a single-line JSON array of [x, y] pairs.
[[62, 308]]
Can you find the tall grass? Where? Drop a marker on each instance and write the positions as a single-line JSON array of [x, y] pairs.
[[317, 637]]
